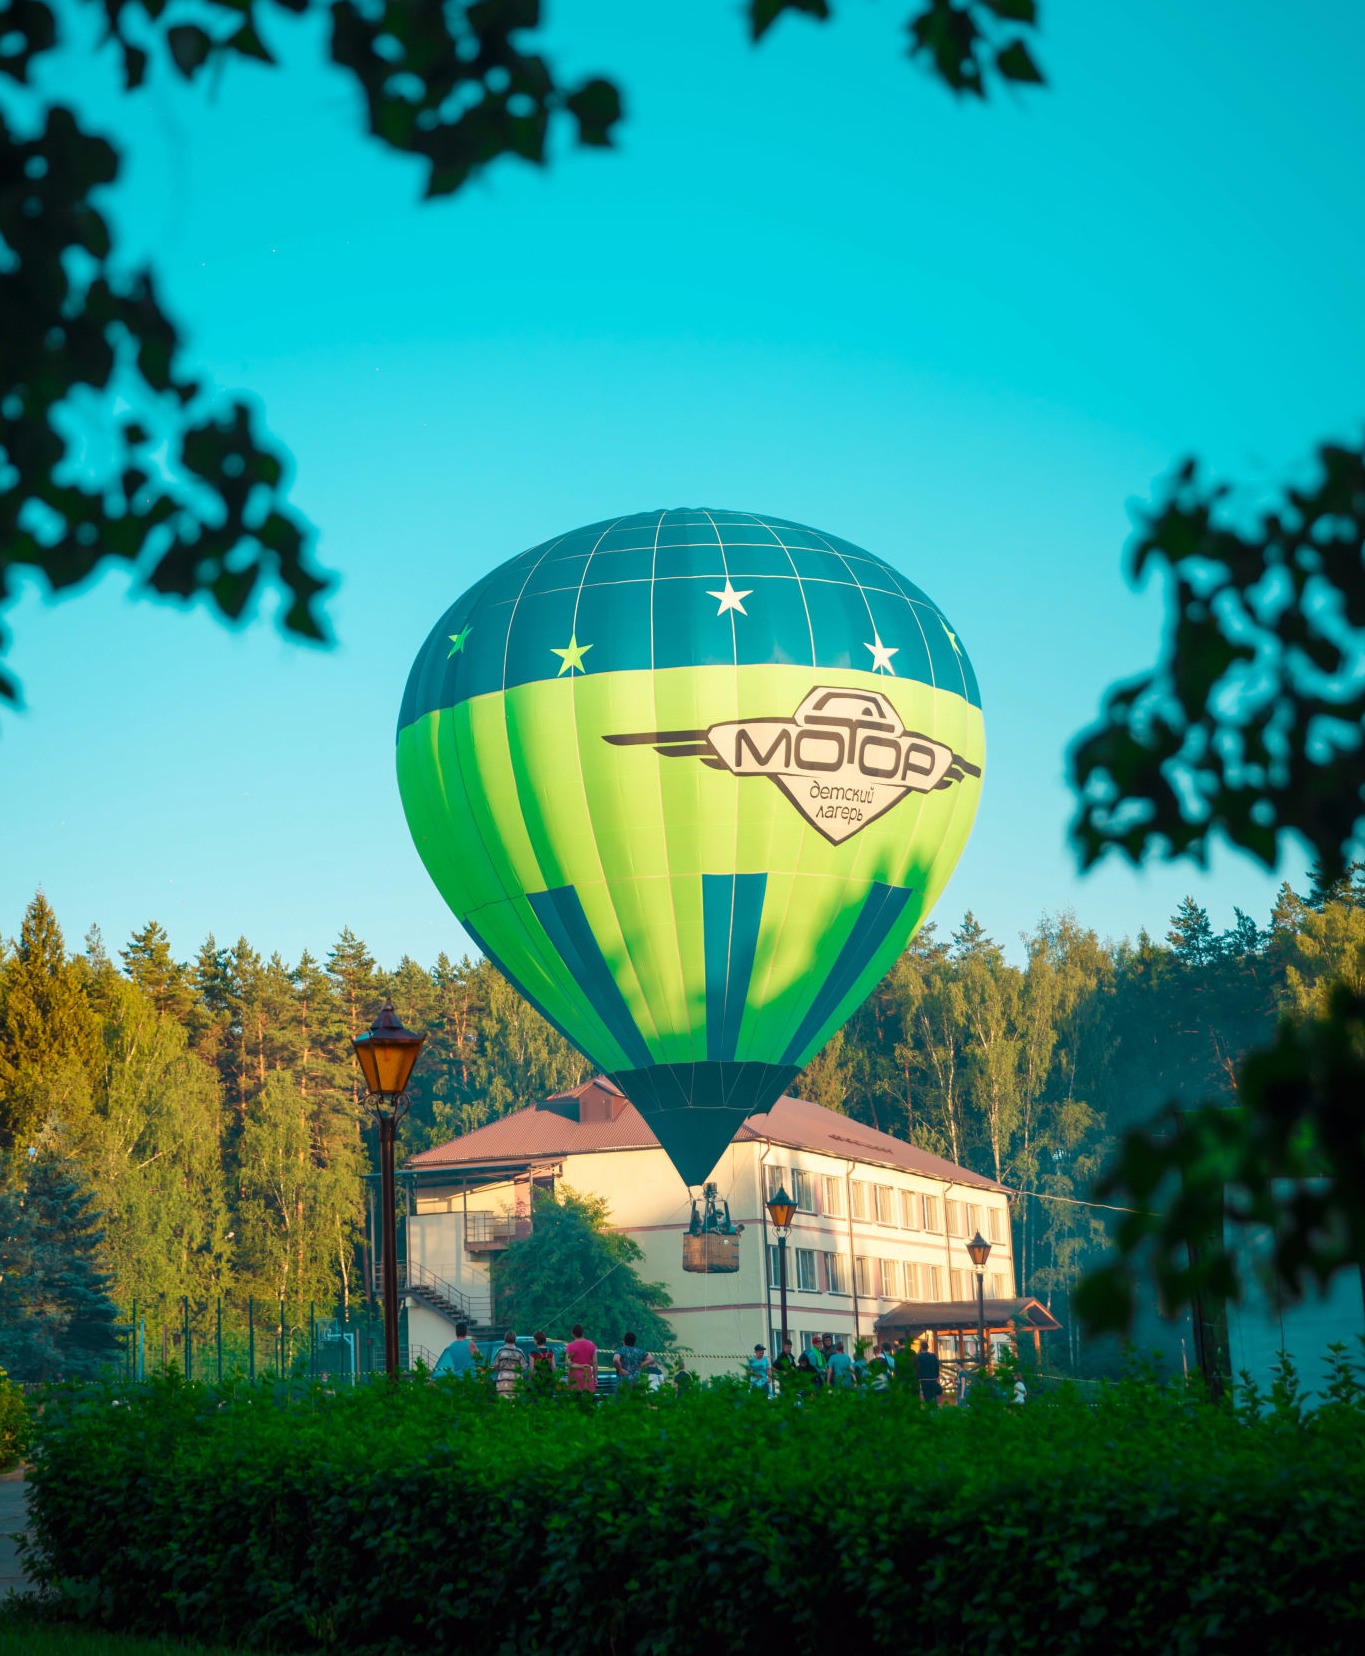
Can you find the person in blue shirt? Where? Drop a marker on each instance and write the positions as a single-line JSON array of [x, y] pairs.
[[840, 1368], [462, 1356], [760, 1371]]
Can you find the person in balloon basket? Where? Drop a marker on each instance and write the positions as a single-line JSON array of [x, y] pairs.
[[581, 1356], [509, 1365], [629, 1360]]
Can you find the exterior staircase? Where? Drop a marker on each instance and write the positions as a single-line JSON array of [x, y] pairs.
[[438, 1295]]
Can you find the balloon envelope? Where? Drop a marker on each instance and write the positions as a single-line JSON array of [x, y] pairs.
[[691, 779]]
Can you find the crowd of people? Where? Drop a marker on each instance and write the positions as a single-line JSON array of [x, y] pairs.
[[823, 1363], [539, 1364]]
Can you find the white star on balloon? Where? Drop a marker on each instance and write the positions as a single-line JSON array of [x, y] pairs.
[[952, 638], [730, 599], [881, 656]]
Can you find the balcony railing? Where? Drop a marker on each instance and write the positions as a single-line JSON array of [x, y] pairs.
[[491, 1232]]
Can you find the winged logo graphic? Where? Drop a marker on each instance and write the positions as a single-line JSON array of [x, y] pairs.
[[844, 757]]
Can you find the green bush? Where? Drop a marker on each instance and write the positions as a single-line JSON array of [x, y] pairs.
[[14, 1425], [433, 1517]]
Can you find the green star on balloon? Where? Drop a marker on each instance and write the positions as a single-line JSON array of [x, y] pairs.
[[572, 657], [458, 642]]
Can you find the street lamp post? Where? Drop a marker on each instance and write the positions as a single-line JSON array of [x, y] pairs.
[[386, 1054], [979, 1248], [781, 1210]]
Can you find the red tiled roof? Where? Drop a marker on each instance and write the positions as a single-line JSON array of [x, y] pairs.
[[807, 1126], [551, 1128]]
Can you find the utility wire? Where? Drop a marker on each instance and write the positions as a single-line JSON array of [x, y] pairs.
[[1076, 1201]]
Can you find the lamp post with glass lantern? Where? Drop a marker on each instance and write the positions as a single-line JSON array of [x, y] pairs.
[[979, 1248], [386, 1054], [781, 1210]]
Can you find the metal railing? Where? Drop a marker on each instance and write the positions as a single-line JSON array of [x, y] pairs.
[[484, 1231], [425, 1284]]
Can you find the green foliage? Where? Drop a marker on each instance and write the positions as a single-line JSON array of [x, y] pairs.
[[56, 1317], [1249, 724], [14, 1423], [1287, 1162], [216, 1108], [573, 1268], [423, 1517]]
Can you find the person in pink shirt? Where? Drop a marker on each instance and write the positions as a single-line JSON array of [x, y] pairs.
[[581, 1355]]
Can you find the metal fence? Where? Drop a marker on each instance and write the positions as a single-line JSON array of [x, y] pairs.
[[215, 1339]]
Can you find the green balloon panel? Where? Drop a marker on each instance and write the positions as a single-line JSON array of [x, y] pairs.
[[692, 780]]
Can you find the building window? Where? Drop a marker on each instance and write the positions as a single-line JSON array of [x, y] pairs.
[[912, 1212], [774, 1179], [774, 1270], [998, 1285], [920, 1282], [937, 1274], [976, 1222], [805, 1271], [833, 1194], [996, 1216], [964, 1287], [862, 1202], [836, 1273], [933, 1212], [891, 1279], [809, 1339], [803, 1189], [886, 1198], [957, 1218], [862, 1276]]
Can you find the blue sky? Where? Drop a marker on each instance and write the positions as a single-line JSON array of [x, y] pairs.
[[806, 283]]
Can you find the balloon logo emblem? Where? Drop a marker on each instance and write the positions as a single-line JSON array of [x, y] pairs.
[[691, 779], [842, 759]]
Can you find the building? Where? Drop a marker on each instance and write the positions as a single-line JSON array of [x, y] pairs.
[[881, 1227]]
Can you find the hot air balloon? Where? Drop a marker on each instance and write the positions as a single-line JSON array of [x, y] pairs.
[[691, 779]]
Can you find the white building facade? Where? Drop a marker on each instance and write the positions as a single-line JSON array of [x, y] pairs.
[[878, 1224]]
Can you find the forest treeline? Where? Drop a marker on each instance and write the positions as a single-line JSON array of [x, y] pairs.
[[216, 1111]]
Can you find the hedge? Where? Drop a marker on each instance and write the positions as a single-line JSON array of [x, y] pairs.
[[426, 1517]]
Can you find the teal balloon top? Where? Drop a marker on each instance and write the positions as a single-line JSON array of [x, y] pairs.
[[691, 779]]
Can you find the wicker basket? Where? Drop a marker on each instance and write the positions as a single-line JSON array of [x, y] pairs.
[[710, 1252]]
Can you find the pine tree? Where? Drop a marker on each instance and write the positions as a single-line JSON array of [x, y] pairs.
[[1191, 935], [49, 1035], [209, 1019], [57, 1320], [150, 964]]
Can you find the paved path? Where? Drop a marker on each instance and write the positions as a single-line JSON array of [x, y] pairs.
[[13, 1514]]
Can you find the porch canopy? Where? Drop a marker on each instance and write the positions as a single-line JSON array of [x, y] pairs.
[[951, 1316]]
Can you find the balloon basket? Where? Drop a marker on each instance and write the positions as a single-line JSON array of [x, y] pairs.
[[710, 1253]]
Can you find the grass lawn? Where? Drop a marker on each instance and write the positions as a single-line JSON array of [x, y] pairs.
[[22, 1635]]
